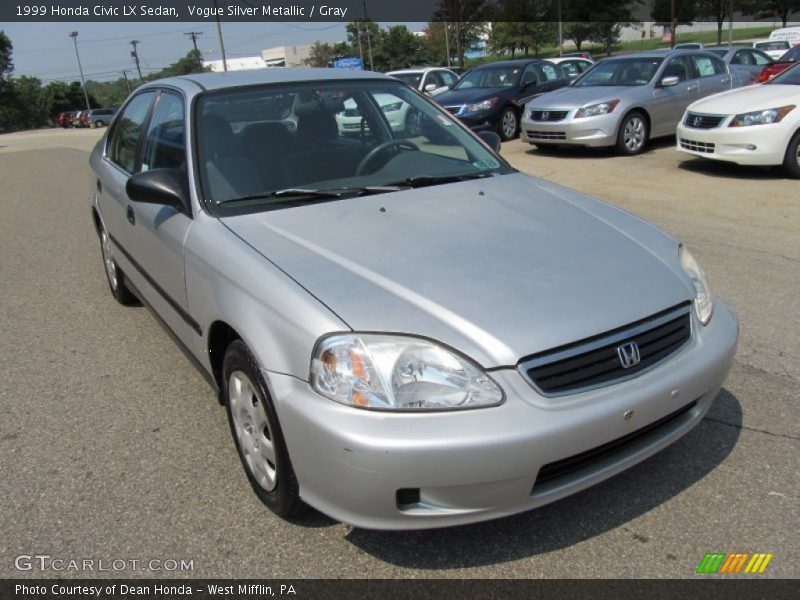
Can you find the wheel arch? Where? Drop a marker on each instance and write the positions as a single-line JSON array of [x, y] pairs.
[[648, 119], [220, 336]]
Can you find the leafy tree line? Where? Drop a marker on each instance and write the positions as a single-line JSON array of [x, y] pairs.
[[25, 103]]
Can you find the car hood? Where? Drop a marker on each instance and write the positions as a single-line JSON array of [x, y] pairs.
[[469, 95], [498, 268], [575, 97], [754, 97]]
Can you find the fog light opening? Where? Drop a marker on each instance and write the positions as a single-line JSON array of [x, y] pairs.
[[407, 498]]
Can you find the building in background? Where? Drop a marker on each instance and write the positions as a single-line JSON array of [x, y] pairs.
[[286, 56], [240, 63]]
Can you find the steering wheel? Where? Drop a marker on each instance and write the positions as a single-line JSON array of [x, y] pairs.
[[379, 149]]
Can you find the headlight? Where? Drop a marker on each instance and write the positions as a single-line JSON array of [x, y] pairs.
[[703, 300], [392, 107], [392, 372], [484, 105], [761, 117], [594, 110]]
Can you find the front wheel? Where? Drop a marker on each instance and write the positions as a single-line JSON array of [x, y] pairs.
[[791, 162], [508, 124], [632, 134], [116, 278], [257, 433]]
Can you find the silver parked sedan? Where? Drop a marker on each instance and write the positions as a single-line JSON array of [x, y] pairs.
[[625, 101], [406, 332]]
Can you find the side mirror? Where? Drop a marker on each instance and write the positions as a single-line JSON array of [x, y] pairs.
[[491, 139], [669, 81], [160, 186], [429, 87]]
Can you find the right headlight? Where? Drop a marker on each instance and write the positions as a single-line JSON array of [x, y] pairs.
[[761, 117], [703, 300], [398, 373], [595, 110]]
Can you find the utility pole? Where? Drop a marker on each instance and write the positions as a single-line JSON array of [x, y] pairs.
[[193, 35], [127, 83], [730, 23], [560, 31], [221, 43], [74, 36], [360, 49], [447, 43], [135, 55], [673, 23], [369, 36]]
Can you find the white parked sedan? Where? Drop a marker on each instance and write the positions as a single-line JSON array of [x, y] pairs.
[[756, 125]]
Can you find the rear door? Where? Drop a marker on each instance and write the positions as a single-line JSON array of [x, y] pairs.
[[711, 73]]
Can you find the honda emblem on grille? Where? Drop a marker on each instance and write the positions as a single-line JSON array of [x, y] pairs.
[[628, 355], [545, 116], [697, 121]]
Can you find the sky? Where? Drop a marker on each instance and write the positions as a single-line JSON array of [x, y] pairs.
[[46, 51]]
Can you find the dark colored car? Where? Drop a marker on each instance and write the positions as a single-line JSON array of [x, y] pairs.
[[492, 96], [786, 61], [745, 62]]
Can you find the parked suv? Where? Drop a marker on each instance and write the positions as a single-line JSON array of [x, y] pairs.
[[101, 117], [625, 100], [492, 96]]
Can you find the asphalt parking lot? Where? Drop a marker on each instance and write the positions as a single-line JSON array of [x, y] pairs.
[[114, 447]]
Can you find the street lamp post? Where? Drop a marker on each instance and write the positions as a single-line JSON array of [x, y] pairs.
[[74, 36]]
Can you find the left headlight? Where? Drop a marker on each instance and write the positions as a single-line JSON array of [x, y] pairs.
[[761, 117], [703, 300], [393, 372], [394, 106], [595, 110], [478, 106]]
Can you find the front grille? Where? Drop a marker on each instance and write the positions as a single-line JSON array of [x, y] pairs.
[[596, 361], [702, 121], [453, 110], [704, 147], [549, 115], [351, 112], [547, 135], [571, 464]]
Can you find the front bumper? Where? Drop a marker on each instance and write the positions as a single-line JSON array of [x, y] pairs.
[[590, 131], [475, 465], [754, 145]]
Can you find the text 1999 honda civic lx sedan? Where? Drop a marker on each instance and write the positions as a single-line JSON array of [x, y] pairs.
[[406, 332]]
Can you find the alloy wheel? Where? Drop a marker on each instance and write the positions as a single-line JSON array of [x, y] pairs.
[[509, 124], [108, 261], [252, 429], [633, 135]]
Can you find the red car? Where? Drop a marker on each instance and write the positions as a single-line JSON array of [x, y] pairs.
[[62, 120], [787, 60]]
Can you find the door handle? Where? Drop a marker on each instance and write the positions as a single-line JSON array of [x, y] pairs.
[[131, 215], [99, 186], [692, 88]]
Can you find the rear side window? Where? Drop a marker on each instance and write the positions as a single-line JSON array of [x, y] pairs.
[[128, 130], [759, 58], [548, 72], [706, 66], [164, 147], [448, 78], [742, 57]]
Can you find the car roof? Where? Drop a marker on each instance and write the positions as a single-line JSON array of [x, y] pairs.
[[509, 63], [415, 70], [217, 81], [662, 53]]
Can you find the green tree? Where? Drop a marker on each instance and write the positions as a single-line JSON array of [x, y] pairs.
[[579, 31], [717, 10], [465, 25], [364, 37], [320, 55], [6, 54], [685, 12], [762, 9], [399, 48]]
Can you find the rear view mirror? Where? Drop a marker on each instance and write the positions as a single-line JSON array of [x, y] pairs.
[[491, 139], [669, 81], [160, 186]]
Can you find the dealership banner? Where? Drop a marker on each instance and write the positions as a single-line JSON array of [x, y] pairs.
[[343, 11], [334, 589]]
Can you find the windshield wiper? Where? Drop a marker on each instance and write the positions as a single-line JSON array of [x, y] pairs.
[[426, 180], [292, 194]]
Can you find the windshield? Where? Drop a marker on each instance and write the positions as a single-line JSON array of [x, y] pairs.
[[791, 55], [772, 45], [790, 76], [622, 71], [490, 77], [411, 79], [259, 148]]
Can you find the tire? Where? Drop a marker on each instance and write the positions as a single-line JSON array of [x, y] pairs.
[[98, 123], [791, 162], [633, 133], [508, 124], [413, 124], [257, 434], [117, 282]]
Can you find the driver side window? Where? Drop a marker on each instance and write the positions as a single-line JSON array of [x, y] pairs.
[[529, 75]]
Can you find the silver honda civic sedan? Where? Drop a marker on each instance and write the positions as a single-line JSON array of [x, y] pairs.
[[405, 331], [626, 100]]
